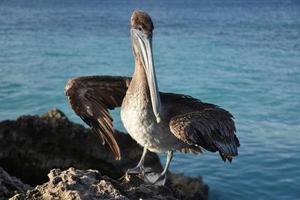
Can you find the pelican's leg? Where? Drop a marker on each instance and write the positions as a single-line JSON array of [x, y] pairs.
[[160, 179], [140, 169]]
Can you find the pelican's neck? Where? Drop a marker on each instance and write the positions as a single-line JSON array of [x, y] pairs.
[[139, 80], [139, 71]]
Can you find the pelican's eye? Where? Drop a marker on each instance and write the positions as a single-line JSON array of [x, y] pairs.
[[139, 28]]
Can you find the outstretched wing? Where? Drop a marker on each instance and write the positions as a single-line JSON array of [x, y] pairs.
[[91, 97], [202, 124]]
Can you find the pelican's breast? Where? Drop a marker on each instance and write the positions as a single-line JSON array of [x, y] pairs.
[[139, 121]]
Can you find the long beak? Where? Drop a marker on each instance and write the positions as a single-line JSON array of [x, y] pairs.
[[144, 45]]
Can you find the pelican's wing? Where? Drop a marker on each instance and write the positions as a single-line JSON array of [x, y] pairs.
[[206, 125], [91, 97]]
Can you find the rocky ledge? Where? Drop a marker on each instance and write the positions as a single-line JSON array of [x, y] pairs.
[[78, 166]]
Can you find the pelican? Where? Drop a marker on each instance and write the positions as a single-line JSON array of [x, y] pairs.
[[160, 122]]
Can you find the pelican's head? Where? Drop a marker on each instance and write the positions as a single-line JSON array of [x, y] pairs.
[[141, 35]]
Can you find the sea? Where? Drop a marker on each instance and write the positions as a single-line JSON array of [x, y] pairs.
[[241, 55]]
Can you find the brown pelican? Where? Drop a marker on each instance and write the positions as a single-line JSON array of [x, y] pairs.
[[160, 122]]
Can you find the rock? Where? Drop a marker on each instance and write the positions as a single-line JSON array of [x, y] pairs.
[[10, 186], [31, 146], [54, 114], [188, 187], [90, 184], [74, 184]]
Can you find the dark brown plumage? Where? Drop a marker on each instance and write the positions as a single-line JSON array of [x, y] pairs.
[[201, 124], [91, 97]]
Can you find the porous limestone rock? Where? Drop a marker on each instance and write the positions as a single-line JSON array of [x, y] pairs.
[[74, 184]]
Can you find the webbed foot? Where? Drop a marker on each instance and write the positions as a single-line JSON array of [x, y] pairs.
[[155, 178]]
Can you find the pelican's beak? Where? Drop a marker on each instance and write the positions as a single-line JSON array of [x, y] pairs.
[[144, 48]]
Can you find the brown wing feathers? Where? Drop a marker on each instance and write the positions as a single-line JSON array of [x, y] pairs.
[[91, 97], [207, 126]]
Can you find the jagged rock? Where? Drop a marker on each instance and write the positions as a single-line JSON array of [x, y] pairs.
[[188, 187], [10, 186], [90, 184], [73, 184], [31, 146], [54, 113]]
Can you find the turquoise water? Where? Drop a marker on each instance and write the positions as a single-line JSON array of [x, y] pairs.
[[244, 56]]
